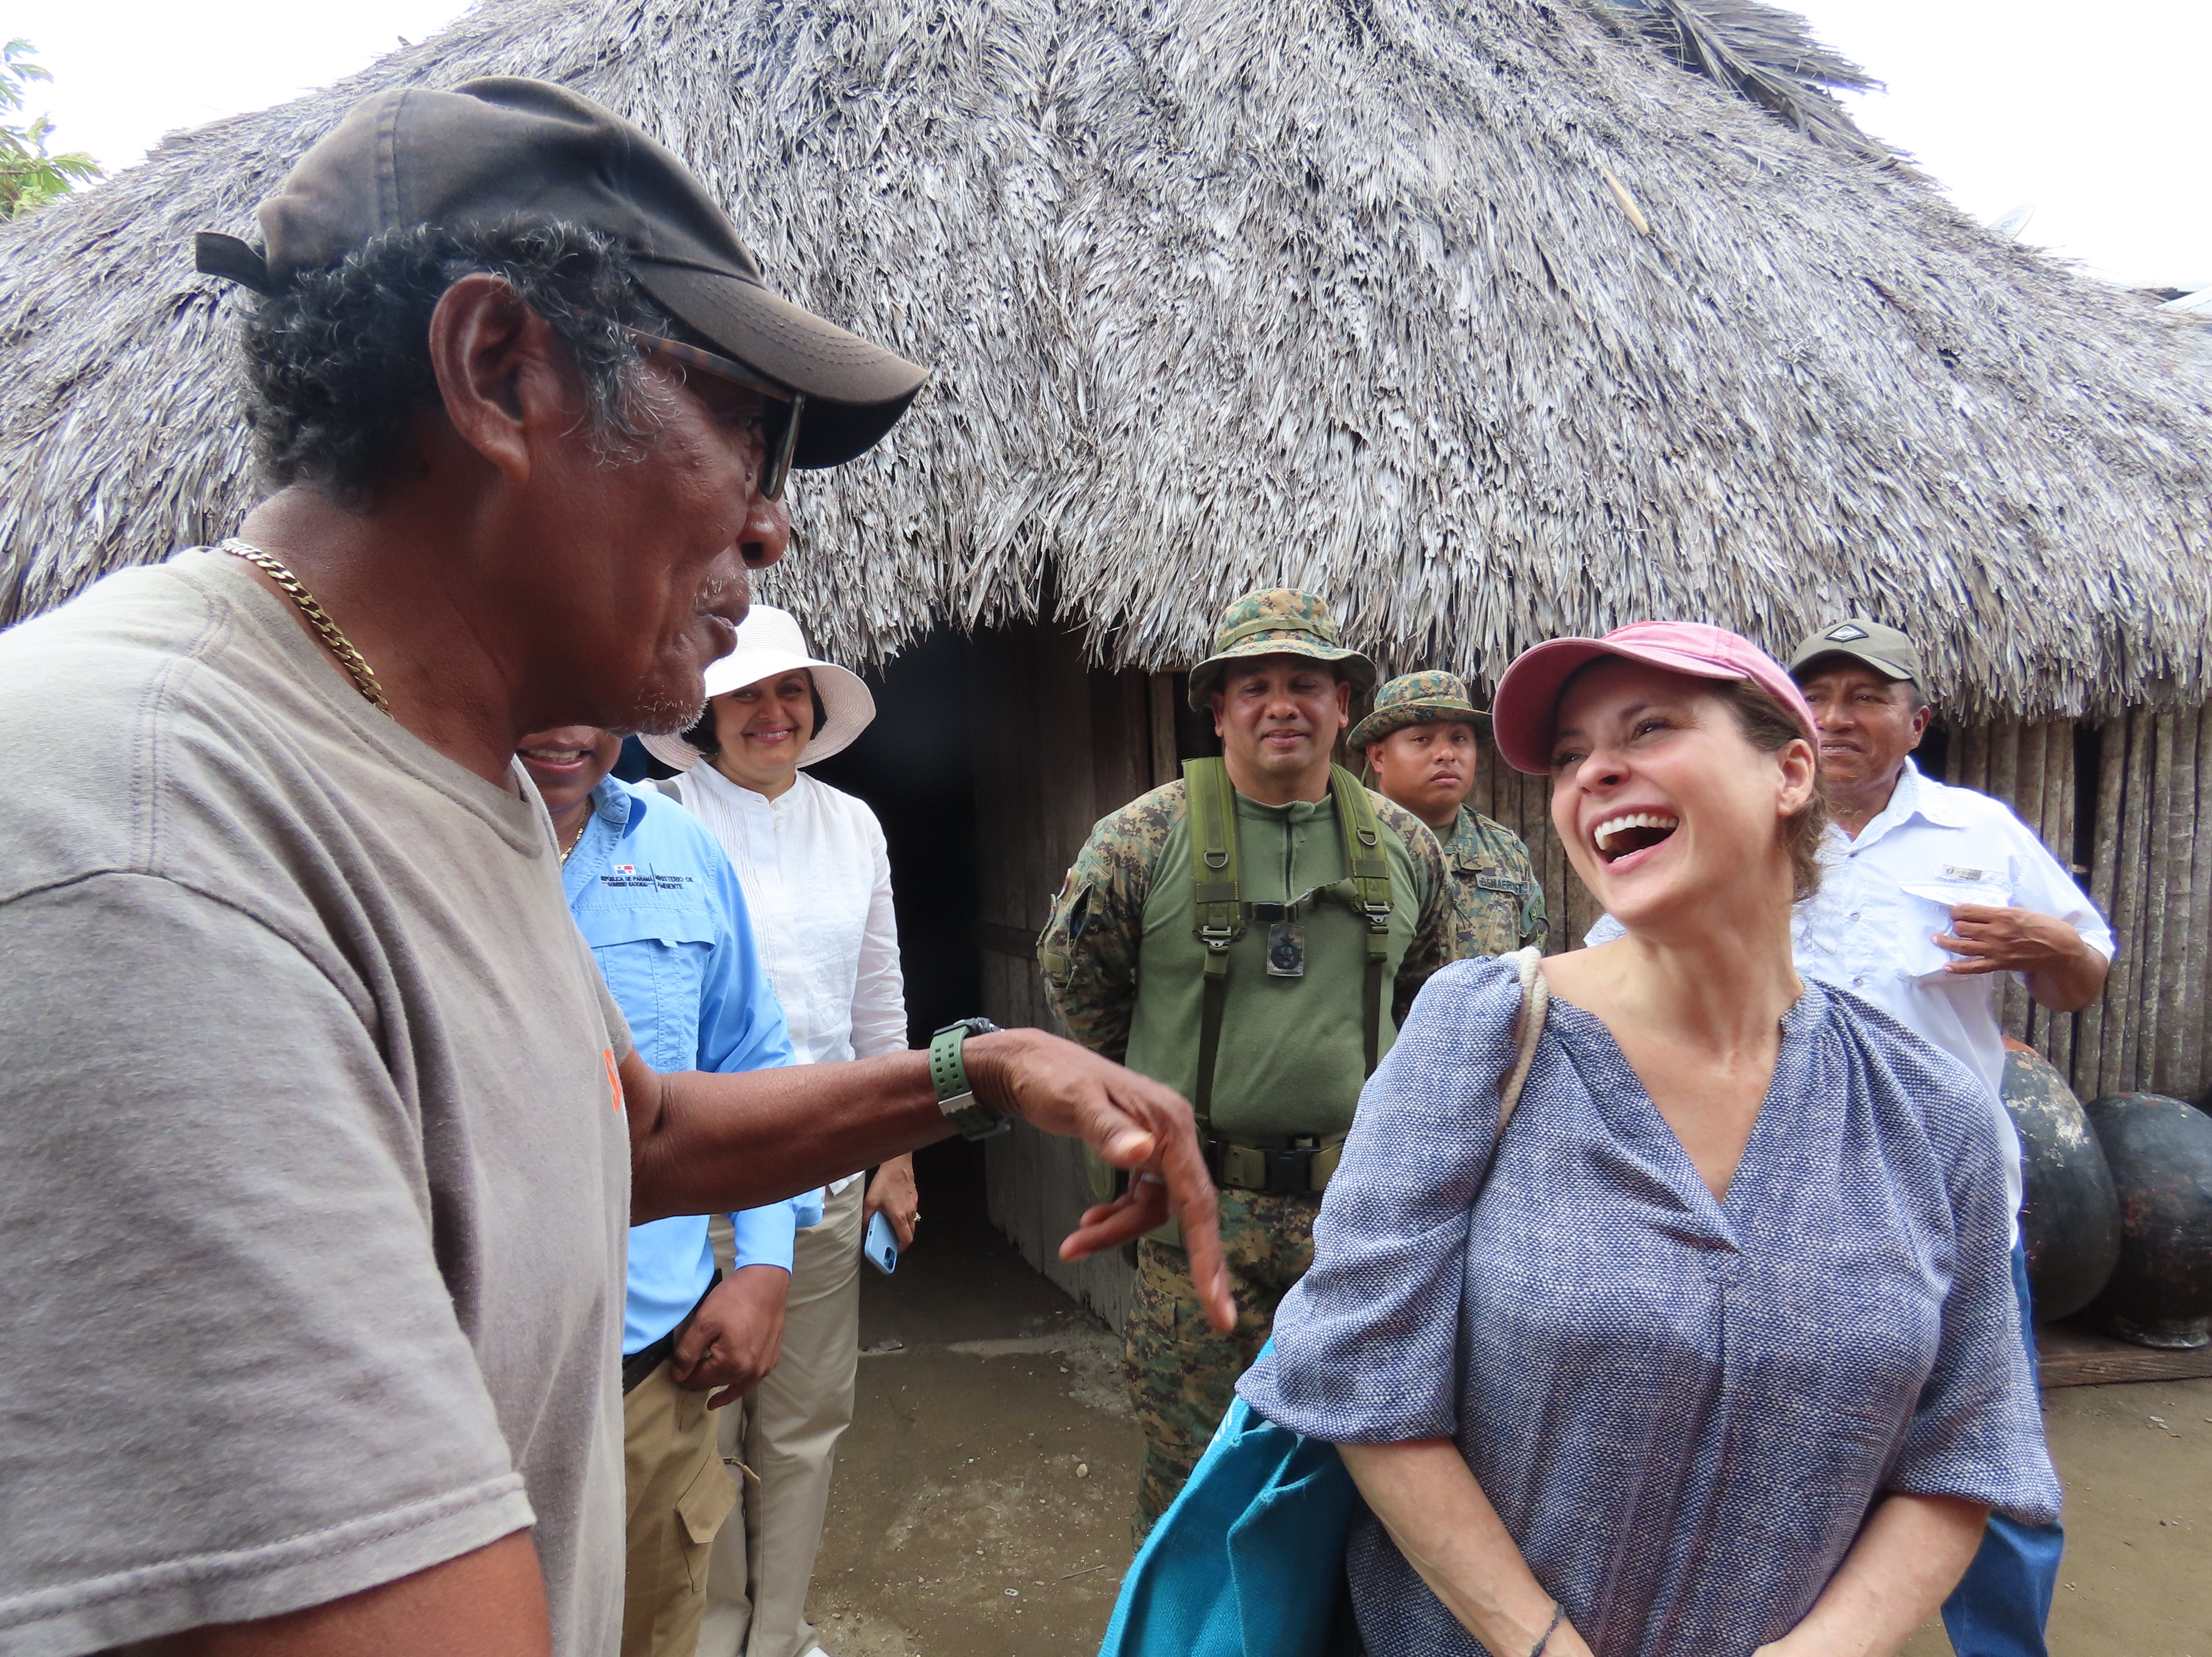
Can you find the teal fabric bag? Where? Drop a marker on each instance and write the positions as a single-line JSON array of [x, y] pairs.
[[1249, 1558]]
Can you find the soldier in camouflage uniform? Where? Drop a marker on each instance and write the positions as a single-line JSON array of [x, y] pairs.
[[1421, 747], [1270, 899]]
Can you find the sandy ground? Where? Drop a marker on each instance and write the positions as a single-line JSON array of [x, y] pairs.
[[982, 1501]]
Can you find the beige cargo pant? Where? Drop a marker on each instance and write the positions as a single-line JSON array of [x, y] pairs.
[[762, 1561], [679, 1494]]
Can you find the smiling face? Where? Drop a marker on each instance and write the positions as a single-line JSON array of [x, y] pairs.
[[1868, 723], [763, 728], [1664, 805], [1279, 718], [567, 762], [1426, 768]]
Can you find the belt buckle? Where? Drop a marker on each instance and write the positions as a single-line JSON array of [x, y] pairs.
[[1291, 1170]]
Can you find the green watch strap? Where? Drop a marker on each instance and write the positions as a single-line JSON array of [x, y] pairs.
[[954, 1096]]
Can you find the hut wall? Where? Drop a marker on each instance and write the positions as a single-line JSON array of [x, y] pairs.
[[1058, 746], [2150, 871]]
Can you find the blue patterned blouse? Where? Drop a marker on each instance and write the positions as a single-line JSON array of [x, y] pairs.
[[1682, 1409]]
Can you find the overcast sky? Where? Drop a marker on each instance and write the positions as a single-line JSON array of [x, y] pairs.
[[2009, 103]]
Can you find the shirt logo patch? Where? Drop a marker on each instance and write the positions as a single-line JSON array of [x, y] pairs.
[[1845, 634], [1960, 871], [624, 869]]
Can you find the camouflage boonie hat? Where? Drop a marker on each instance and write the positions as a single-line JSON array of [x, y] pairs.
[[1278, 622], [1429, 698]]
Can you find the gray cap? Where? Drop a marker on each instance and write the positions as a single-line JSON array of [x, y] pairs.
[[492, 151], [1884, 649]]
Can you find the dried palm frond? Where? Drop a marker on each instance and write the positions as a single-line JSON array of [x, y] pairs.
[[1760, 52], [1486, 319]]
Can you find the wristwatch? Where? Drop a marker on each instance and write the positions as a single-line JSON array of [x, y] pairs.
[[954, 1096]]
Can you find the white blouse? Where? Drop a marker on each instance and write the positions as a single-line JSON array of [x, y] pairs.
[[818, 883]]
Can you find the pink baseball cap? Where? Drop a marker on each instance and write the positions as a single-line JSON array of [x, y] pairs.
[[1524, 714]]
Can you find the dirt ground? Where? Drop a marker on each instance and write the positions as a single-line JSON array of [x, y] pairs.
[[982, 1499]]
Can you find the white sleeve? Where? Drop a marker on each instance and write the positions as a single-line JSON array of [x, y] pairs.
[[2041, 883], [878, 986]]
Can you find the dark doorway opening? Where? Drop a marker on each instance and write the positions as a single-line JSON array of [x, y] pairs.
[[914, 766]]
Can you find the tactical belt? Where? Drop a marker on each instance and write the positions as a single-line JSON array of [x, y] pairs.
[[1302, 1167]]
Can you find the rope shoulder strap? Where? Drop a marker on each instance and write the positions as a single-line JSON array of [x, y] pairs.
[[1528, 1030]]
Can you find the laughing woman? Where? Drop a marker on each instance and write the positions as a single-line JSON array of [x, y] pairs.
[[1719, 1357]]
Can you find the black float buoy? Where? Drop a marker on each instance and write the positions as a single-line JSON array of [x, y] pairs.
[[2069, 1224], [2160, 1151]]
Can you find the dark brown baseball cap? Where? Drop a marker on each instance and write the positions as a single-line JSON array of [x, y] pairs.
[[491, 151]]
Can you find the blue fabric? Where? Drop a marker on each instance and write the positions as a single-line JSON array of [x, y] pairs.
[[1681, 1408], [655, 897], [1248, 1560], [2003, 1604]]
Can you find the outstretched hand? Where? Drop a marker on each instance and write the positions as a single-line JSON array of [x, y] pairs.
[[1134, 1123]]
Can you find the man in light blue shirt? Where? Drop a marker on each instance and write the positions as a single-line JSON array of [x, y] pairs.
[[655, 898]]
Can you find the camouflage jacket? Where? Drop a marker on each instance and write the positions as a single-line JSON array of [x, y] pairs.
[[1497, 901], [1092, 945]]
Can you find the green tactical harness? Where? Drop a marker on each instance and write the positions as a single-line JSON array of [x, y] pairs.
[[1222, 917]]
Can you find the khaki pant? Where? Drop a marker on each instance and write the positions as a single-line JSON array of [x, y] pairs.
[[1183, 1375], [678, 1495], [763, 1560]]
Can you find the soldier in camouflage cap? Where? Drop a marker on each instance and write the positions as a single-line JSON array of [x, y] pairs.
[[1270, 898], [1422, 752]]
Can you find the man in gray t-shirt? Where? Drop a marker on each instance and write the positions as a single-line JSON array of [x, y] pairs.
[[320, 1136]]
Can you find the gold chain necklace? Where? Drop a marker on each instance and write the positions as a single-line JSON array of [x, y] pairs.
[[356, 664]]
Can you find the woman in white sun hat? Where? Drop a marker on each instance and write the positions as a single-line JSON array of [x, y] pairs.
[[819, 883]]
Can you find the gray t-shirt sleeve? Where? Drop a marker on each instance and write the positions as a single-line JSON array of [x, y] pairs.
[[251, 1391]]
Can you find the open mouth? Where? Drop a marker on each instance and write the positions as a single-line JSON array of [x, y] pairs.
[[1632, 832], [569, 757]]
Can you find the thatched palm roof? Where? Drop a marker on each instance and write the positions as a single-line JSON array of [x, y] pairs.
[[1493, 321]]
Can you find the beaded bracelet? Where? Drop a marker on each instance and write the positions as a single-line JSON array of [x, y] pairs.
[[1558, 1615]]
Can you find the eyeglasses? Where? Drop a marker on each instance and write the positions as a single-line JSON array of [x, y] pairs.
[[780, 443]]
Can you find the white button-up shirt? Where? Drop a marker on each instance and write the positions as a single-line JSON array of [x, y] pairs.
[[1871, 928], [819, 883]]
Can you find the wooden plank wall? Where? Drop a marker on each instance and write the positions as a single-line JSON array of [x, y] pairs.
[[2151, 873], [1057, 747]]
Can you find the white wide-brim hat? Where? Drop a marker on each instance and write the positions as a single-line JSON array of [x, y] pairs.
[[769, 645]]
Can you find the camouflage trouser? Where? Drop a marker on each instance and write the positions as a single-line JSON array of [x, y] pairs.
[[1181, 1374]]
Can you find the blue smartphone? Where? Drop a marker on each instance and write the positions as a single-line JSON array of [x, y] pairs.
[[881, 1244]]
